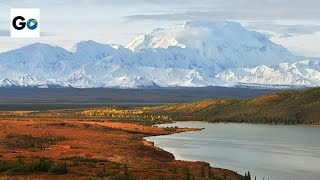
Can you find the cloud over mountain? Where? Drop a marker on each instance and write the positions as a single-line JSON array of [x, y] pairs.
[[193, 54]]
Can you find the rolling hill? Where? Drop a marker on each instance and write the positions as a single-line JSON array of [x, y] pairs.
[[286, 107]]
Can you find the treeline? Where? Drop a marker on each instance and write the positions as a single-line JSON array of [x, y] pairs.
[[135, 115], [287, 107]]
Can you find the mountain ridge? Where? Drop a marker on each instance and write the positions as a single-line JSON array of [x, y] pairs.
[[194, 54]]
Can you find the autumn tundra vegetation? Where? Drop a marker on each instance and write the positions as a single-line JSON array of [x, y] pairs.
[[48, 148], [285, 107], [108, 142]]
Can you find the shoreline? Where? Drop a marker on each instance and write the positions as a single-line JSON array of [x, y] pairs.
[[185, 129], [176, 147], [193, 121]]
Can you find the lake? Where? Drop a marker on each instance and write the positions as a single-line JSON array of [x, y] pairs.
[[274, 152]]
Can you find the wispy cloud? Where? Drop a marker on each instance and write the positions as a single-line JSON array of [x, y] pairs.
[[115, 21], [237, 9], [284, 30]]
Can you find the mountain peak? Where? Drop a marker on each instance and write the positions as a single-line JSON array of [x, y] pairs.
[[88, 51], [36, 50], [196, 53], [39, 46], [82, 45], [225, 42]]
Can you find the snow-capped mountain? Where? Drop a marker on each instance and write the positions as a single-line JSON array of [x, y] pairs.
[[302, 73], [228, 44], [193, 54]]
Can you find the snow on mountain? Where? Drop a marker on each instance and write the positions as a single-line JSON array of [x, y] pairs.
[[38, 59], [194, 54], [302, 73], [228, 44], [90, 64]]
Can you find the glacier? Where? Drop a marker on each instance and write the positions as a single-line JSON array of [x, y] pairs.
[[192, 54]]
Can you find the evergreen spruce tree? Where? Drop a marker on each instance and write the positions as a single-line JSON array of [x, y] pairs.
[[186, 173], [202, 175], [174, 170], [210, 173], [125, 172], [104, 169]]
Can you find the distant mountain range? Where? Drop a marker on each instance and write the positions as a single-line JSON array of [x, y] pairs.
[[194, 54]]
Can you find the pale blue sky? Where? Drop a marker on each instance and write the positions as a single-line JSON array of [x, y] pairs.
[[293, 23]]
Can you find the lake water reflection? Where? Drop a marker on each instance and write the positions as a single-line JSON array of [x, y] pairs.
[[267, 151]]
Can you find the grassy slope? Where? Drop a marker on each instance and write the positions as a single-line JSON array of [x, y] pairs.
[[68, 149], [287, 107]]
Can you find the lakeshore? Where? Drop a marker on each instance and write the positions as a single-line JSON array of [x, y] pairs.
[[288, 152]]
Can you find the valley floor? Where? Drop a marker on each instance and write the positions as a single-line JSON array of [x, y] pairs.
[[71, 148]]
